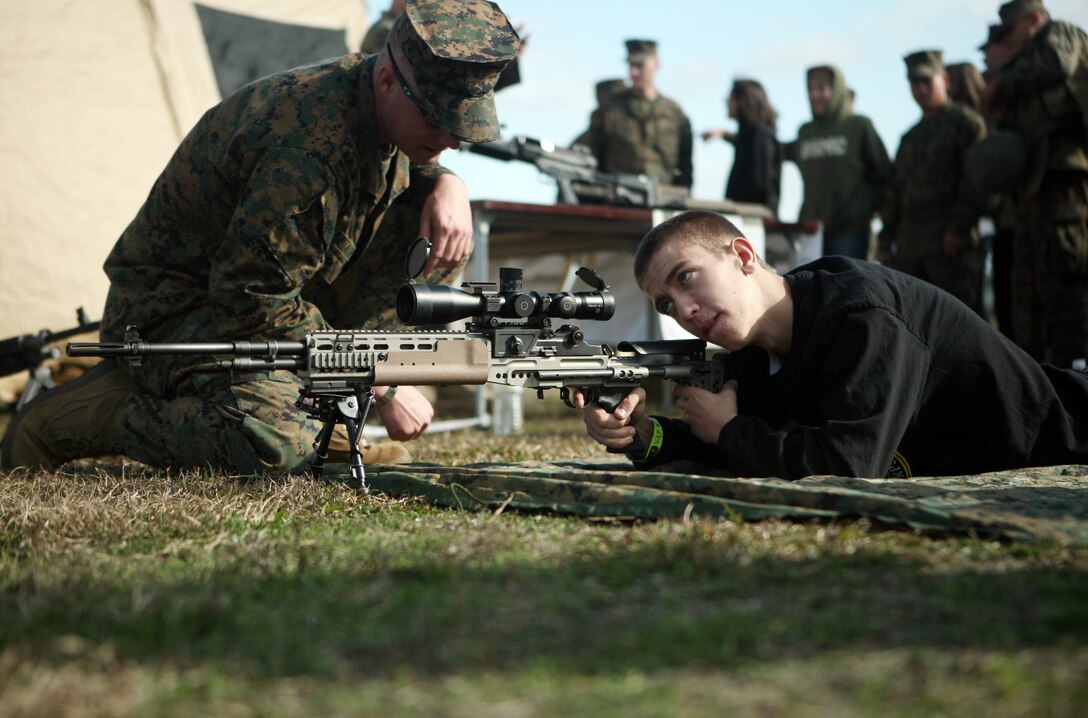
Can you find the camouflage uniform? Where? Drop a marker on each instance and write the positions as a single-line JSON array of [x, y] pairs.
[[635, 135], [1043, 96], [639, 136], [268, 221], [930, 194]]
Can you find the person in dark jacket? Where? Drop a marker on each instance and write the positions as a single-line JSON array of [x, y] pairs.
[[839, 367], [757, 164]]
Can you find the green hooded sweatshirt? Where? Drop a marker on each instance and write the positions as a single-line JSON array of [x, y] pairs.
[[843, 163]]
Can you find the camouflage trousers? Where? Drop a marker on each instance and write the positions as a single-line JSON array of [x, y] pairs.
[[248, 422], [1050, 271]]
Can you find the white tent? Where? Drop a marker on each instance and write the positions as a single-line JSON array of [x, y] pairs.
[[95, 97]]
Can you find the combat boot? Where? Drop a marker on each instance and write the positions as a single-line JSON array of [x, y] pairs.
[[383, 452], [77, 420]]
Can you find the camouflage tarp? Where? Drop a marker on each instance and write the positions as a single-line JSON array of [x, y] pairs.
[[1041, 504]]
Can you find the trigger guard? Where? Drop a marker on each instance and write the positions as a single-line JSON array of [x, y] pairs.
[[589, 395]]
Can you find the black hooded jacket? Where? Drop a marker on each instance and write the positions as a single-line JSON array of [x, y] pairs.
[[888, 375]]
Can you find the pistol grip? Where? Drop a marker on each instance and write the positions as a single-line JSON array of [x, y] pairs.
[[636, 447], [608, 400]]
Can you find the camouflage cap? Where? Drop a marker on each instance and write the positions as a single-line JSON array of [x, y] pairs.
[[456, 50], [994, 35], [1013, 10], [924, 64], [639, 50]]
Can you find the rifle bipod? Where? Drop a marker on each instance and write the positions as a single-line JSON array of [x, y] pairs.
[[349, 407]]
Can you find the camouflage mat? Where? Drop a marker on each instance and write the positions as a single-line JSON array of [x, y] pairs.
[[1043, 504]]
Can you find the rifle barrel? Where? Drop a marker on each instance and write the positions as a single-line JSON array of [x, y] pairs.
[[119, 349]]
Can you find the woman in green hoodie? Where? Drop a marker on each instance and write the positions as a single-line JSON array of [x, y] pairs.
[[843, 164]]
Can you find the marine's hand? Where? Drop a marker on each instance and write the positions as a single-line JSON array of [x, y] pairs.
[[408, 415], [705, 412], [616, 429], [447, 222]]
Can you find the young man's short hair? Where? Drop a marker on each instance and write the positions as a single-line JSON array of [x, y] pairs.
[[701, 228]]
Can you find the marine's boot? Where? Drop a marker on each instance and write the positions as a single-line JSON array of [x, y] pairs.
[[77, 420], [383, 452]]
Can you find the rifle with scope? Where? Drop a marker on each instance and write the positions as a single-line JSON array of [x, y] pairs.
[[575, 170], [508, 339]]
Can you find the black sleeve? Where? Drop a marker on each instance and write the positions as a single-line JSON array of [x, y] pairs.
[[889, 211], [765, 155], [879, 170], [1051, 59], [680, 444], [867, 389], [968, 204]]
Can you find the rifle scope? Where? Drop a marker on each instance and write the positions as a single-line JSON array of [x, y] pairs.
[[440, 304]]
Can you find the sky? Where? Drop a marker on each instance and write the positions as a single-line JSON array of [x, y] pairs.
[[703, 45]]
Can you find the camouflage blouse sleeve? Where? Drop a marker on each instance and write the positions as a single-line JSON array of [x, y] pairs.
[[686, 172], [595, 138], [1050, 60], [276, 240], [969, 205]]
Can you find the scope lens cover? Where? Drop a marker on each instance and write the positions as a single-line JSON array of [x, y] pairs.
[[417, 258]]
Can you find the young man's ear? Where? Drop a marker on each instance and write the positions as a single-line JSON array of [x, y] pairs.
[[745, 252]]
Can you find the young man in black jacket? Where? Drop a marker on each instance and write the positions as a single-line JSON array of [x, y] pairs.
[[841, 367]]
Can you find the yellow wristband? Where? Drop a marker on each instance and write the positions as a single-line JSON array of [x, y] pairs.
[[655, 443]]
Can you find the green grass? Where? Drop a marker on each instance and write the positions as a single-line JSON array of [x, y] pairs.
[[137, 592]]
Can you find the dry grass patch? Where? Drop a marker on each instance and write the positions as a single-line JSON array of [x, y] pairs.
[[131, 591]]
